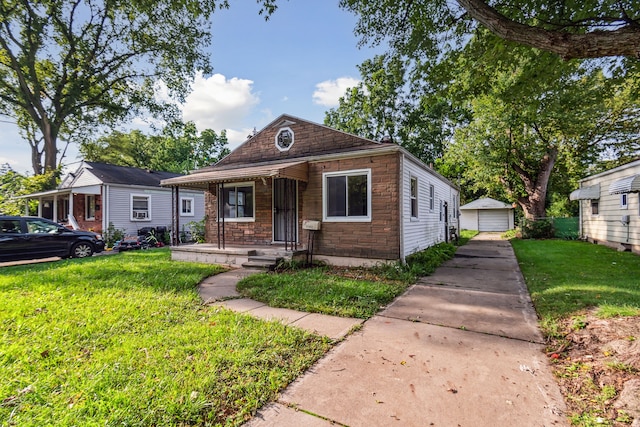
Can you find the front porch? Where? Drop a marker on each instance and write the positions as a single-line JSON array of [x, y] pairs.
[[249, 256]]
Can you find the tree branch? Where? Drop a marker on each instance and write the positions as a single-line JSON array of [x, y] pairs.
[[624, 41]]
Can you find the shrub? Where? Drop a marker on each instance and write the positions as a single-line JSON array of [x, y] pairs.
[[112, 235], [537, 229]]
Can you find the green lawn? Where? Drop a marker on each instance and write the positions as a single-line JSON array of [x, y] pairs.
[[317, 290], [565, 277], [124, 340]]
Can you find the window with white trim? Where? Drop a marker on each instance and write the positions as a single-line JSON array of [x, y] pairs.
[[595, 207], [346, 196], [90, 207], [414, 197], [624, 201], [140, 207], [432, 197], [187, 206], [237, 201]]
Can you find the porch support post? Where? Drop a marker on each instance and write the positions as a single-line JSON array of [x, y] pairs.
[[220, 222], [55, 208], [175, 217]]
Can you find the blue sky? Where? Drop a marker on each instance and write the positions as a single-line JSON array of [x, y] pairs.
[[299, 62]]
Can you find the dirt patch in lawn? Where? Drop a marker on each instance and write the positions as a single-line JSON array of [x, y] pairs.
[[598, 369]]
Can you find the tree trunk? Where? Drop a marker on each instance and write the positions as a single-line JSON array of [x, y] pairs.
[[533, 204]]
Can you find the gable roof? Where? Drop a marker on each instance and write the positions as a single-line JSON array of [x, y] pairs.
[[125, 175], [309, 139], [486, 203]]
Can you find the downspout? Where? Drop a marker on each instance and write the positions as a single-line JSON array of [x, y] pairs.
[[400, 205], [104, 190]]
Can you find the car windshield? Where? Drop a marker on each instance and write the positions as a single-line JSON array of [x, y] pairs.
[[39, 226]]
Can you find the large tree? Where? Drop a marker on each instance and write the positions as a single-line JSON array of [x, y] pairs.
[[179, 148], [570, 29], [385, 105], [71, 66], [533, 113]]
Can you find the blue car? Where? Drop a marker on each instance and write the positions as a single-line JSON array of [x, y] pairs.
[[33, 237]]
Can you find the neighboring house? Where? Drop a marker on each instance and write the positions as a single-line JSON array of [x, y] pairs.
[[372, 201], [487, 214], [609, 207], [97, 194]]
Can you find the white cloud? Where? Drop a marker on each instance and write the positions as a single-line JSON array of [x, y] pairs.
[[219, 103], [328, 92]]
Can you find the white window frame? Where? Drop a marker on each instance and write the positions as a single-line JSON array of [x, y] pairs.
[[251, 184], [191, 201], [432, 197], [413, 197], [624, 201], [89, 199], [293, 138], [597, 206], [137, 217], [353, 172]]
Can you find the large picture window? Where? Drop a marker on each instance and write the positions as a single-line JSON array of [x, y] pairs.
[[347, 195], [140, 208], [237, 201]]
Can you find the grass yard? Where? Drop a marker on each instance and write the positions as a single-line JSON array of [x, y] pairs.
[[345, 292], [124, 340], [588, 299], [565, 277]]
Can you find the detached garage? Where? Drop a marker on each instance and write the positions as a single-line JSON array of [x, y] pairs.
[[486, 215]]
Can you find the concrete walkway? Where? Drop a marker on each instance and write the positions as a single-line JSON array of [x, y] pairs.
[[218, 289], [459, 348]]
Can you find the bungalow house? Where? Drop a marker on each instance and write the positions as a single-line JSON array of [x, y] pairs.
[[610, 208], [97, 194], [298, 185]]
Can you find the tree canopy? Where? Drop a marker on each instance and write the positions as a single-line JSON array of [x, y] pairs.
[[69, 67], [178, 149], [568, 28]]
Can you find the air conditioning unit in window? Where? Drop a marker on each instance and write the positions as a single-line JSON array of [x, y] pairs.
[[139, 214]]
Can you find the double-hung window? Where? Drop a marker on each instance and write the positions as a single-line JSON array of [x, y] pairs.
[[346, 196], [237, 202], [624, 201], [140, 207], [414, 197], [90, 207], [186, 206]]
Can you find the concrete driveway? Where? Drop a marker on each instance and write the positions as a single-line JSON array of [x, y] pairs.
[[459, 348]]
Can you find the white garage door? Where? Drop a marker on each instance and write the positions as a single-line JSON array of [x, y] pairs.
[[493, 220]]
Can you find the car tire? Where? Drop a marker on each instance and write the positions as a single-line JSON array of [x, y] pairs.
[[81, 250]]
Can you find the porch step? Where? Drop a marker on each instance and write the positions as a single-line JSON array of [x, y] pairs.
[[262, 262]]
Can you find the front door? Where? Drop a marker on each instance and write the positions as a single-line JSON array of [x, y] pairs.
[[285, 212]]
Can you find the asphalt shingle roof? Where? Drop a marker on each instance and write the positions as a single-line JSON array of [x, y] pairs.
[[111, 174]]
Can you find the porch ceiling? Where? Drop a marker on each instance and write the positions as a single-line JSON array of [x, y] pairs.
[[293, 170]]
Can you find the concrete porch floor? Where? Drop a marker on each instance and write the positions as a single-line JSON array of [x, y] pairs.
[[231, 255]]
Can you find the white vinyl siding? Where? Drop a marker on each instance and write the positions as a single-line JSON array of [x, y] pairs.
[[117, 207], [427, 229], [607, 225]]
